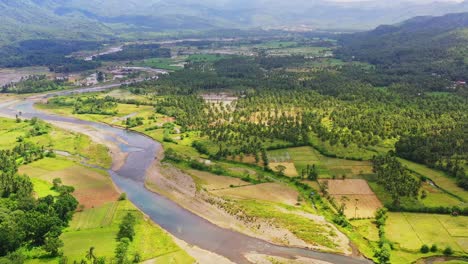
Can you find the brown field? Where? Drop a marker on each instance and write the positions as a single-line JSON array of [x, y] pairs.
[[290, 168], [273, 192], [356, 194], [92, 188], [250, 159], [213, 182]]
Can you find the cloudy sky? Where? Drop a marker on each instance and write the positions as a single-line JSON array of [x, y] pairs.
[[417, 1]]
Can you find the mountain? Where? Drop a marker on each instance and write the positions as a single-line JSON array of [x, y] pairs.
[[100, 19], [421, 48]]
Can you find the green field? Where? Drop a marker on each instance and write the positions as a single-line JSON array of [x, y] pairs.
[[57, 139], [206, 57], [161, 63], [98, 227], [410, 231], [438, 177], [328, 167]]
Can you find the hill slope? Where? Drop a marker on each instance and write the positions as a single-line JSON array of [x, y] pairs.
[[422, 46], [85, 19]]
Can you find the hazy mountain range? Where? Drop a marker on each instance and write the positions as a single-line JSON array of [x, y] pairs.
[[85, 19]]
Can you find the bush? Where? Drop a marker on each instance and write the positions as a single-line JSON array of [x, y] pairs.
[[424, 249], [434, 248], [122, 197], [448, 251]]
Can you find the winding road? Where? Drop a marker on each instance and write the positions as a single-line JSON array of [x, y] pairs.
[[178, 221]]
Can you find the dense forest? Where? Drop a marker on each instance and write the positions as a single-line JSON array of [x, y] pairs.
[[281, 108], [49, 53], [137, 52]]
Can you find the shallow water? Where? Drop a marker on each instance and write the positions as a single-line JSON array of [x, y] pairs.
[[169, 215]]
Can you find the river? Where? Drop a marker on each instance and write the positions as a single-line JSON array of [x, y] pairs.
[[178, 221]]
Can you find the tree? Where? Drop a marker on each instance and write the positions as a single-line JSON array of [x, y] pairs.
[[52, 245], [424, 249], [90, 254], [121, 251], [127, 227], [434, 248], [280, 169], [448, 251], [383, 255]]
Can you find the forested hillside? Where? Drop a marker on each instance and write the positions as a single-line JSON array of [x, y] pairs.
[[98, 19], [423, 51]]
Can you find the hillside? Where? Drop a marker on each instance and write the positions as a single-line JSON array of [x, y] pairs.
[[94, 19], [26, 19], [414, 49]]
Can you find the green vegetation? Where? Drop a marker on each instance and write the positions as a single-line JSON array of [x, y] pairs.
[[137, 52], [289, 109], [33, 84], [409, 232], [26, 222], [161, 63]]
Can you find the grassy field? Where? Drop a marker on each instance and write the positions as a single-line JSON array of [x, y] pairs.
[[98, 227], [327, 167], [438, 177], [162, 63], [57, 139], [352, 151], [410, 231]]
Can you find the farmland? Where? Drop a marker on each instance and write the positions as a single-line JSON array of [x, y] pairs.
[[358, 198], [410, 231]]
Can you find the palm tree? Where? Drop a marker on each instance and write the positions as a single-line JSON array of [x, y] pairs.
[[90, 254]]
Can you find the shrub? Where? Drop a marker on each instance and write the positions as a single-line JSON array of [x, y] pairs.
[[434, 248], [448, 251], [424, 249], [122, 197]]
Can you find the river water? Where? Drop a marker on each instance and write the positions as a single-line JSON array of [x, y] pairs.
[[169, 215]]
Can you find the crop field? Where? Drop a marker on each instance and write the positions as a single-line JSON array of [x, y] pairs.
[[410, 231], [327, 167], [289, 168], [360, 200], [93, 187]]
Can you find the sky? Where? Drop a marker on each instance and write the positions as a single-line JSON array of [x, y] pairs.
[[416, 1]]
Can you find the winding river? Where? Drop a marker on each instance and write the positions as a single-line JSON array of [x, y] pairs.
[[169, 215]]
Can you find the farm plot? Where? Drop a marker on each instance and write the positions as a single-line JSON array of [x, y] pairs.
[[360, 201], [327, 167], [410, 231]]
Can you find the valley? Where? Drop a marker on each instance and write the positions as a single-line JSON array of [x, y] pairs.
[[261, 147]]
